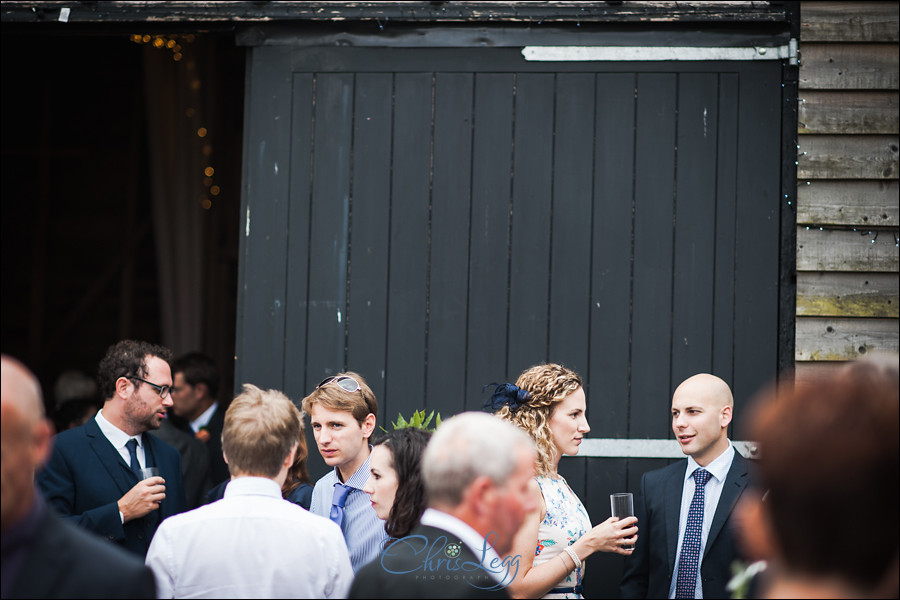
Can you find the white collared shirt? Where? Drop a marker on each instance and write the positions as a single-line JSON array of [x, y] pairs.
[[119, 438], [473, 540], [718, 470], [205, 416], [250, 544]]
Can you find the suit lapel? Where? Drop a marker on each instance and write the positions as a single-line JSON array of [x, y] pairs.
[[672, 494], [735, 482], [112, 461]]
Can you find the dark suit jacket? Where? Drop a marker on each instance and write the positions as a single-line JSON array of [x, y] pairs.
[[86, 476], [218, 467], [426, 567], [648, 571], [67, 562], [195, 464]]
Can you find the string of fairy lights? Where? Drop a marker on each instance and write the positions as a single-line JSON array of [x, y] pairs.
[[176, 45]]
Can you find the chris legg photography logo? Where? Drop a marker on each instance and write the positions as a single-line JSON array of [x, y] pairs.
[[440, 560]]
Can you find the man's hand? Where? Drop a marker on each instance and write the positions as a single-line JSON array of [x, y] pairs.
[[142, 498]]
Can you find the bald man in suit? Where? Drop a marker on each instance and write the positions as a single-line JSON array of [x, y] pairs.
[[712, 476]]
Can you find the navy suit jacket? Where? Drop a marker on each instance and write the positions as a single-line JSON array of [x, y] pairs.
[[68, 562], [86, 476], [648, 571]]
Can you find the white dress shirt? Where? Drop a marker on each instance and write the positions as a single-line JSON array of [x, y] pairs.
[[119, 438], [250, 544], [718, 470], [205, 416]]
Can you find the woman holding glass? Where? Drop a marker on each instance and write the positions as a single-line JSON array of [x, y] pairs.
[[548, 402]]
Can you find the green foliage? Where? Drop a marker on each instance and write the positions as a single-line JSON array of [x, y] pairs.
[[418, 421]]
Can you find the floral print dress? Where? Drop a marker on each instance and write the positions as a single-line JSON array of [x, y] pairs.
[[566, 521]]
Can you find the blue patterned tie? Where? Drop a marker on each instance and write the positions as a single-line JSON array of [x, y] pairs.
[[337, 502], [132, 450], [689, 560]]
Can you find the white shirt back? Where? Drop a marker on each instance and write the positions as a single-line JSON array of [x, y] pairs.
[[250, 544]]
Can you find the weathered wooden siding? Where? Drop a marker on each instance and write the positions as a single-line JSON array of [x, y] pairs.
[[847, 177]]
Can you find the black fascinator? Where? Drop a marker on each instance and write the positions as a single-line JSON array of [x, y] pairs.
[[505, 394]]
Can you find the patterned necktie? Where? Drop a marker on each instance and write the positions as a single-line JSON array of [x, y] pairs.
[[337, 502], [689, 560], [132, 450]]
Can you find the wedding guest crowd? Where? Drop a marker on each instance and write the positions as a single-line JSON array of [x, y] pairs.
[[476, 508]]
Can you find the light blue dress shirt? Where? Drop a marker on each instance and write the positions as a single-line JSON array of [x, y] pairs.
[[363, 530]]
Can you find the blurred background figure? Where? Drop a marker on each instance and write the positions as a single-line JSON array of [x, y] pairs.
[[825, 514], [396, 487], [42, 555], [77, 399], [197, 409]]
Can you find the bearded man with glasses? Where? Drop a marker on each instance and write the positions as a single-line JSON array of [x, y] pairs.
[[342, 411], [94, 477]]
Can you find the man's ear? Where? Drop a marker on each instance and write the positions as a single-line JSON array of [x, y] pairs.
[[201, 389], [727, 411], [368, 425], [42, 442], [122, 385], [478, 495]]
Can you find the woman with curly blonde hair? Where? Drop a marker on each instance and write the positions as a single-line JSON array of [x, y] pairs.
[[548, 402]]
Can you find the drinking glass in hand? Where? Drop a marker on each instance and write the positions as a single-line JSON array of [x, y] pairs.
[[622, 505]]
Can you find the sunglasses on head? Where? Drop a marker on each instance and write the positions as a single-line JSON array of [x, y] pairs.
[[345, 382]]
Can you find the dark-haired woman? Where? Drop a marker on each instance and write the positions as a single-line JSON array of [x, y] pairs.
[[395, 486]]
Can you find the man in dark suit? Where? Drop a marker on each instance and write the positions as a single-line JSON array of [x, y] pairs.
[[685, 510], [196, 408], [93, 477], [476, 470], [42, 555]]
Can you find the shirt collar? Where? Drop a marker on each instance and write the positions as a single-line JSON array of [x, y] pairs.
[[468, 536], [718, 468], [205, 416], [252, 486], [116, 436], [361, 476]]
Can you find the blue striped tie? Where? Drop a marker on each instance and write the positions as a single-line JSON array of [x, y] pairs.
[[689, 560], [337, 502]]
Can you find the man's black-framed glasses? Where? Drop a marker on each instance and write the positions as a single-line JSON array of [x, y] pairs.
[[162, 390], [345, 382]]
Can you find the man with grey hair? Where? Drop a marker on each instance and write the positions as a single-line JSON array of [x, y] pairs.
[[252, 543], [476, 470]]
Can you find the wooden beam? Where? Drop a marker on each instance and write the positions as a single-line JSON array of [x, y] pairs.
[[849, 66], [849, 21], [870, 112], [834, 338], [841, 250], [863, 202], [848, 157], [266, 12], [848, 295]]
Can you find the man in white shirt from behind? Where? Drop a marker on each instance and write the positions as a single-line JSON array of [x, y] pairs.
[[252, 543]]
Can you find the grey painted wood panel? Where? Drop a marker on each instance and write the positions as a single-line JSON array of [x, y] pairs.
[[608, 377], [370, 221], [655, 131], [531, 213], [448, 310]]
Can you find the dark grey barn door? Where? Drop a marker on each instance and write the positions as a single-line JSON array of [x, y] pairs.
[[440, 219]]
